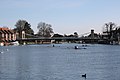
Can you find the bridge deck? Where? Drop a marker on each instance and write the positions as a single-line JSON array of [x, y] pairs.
[[59, 38]]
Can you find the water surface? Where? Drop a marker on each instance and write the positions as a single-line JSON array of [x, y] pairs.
[[62, 62]]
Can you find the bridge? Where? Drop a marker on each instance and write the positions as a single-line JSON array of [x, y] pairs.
[[37, 39], [58, 38]]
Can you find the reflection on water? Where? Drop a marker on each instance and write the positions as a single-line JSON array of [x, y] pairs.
[[61, 62]]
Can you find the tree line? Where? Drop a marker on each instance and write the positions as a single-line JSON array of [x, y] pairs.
[[44, 30], [111, 30]]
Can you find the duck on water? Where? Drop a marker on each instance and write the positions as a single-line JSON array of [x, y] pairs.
[[84, 75]]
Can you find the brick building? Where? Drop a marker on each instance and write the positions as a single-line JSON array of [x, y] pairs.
[[6, 36]]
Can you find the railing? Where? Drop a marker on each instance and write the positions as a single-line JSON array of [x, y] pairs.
[[59, 38]]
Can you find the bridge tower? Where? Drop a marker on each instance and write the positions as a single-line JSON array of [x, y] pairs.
[[92, 34], [23, 34], [23, 37]]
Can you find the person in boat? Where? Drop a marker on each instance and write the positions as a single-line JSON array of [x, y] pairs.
[[76, 47], [53, 45]]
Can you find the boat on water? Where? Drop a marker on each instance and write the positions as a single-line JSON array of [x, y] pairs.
[[76, 47], [1, 51]]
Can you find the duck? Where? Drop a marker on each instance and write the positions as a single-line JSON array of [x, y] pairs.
[[84, 75]]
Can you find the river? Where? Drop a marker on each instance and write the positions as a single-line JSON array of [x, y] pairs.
[[61, 62]]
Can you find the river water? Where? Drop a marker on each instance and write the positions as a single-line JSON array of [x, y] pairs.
[[61, 62]]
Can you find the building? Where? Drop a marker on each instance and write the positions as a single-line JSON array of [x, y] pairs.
[[6, 36]]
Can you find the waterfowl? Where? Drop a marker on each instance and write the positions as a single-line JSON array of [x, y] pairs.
[[84, 75]]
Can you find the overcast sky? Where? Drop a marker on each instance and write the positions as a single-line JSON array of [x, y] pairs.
[[65, 16]]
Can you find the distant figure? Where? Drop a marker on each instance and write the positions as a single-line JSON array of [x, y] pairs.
[[53, 45], [1, 52], [84, 75], [84, 48], [76, 47], [83, 45], [7, 50]]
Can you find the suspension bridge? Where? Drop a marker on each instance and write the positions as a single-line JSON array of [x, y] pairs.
[[46, 39]]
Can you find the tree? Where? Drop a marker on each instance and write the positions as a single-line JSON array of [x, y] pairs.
[[109, 28], [23, 25], [45, 30], [57, 35], [75, 34]]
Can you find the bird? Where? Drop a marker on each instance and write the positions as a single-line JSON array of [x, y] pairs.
[[84, 75]]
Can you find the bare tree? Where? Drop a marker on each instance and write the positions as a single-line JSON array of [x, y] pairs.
[[109, 28], [45, 30]]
